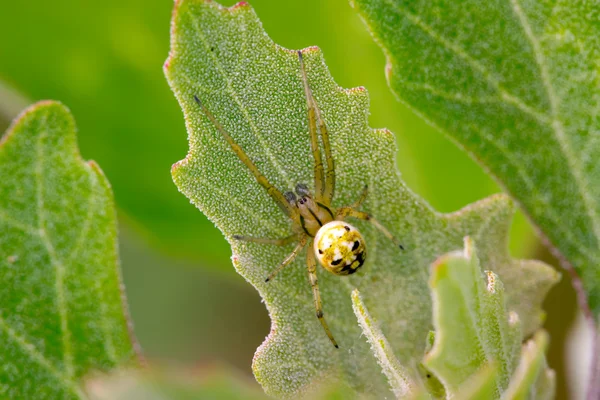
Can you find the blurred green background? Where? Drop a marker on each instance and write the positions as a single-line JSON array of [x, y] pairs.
[[104, 61]]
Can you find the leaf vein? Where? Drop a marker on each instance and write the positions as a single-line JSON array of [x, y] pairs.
[[7, 219], [59, 268], [38, 357], [557, 125], [463, 54], [462, 98], [550, 213]]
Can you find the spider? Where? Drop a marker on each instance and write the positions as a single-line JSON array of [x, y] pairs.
[[339, 247]]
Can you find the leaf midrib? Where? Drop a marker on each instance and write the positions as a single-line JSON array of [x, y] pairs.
[[551, 120]]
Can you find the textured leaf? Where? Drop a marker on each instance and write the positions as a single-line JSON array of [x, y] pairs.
[[516, 84], [472, 327], [254, 89], [61, 307], [399, 379], [482, 385], [474, 331], [532, 379]]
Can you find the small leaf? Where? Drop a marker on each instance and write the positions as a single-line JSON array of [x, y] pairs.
[[516, 84], [475, 332], [482, 385], [532, 378], [254, 89], [61, 303], [472, 328]]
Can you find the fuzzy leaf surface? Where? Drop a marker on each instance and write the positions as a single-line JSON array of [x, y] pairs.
[[62, 314], [475, 331], [254, 89], [516, 84]]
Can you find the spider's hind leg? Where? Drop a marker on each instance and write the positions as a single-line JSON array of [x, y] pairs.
[[288, 260]]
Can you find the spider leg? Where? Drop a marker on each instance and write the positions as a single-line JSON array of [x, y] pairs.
[[275, 194], [291, 257], [277, 242], [329, 188], [344, 212], [362, 198], [311, 263], [314, 138]]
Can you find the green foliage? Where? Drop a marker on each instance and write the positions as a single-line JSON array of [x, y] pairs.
[[103, 59], [516, 84], [253, 88], [475, 332], [62, 313], [218, 384]]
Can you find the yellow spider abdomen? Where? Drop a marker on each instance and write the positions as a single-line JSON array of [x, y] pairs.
[[340, 248]]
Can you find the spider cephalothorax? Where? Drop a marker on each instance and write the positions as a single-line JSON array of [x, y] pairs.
[[339, 247]]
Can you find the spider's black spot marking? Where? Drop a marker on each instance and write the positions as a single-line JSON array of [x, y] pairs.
[[320, 251], [360, 257], [355, 245], [346, 227], [336, 262], [349, 270]]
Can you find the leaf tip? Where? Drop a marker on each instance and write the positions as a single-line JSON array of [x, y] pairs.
[[175, 167], [469, 247], [439, 269], [241, 4], [310, 49], [50, 107]]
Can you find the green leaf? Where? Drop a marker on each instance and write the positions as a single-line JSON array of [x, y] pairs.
[[533, 379], [482, 385], [398, 377], [477, 341], [254, 89], [62, 313], [516, 84], [473, 329]]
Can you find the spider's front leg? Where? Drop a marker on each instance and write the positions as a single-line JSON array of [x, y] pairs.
[[311, 264], [344, 212]]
